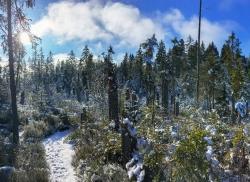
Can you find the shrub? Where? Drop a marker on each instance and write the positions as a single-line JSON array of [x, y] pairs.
[[31, 164], [35, 131], [190, 163]]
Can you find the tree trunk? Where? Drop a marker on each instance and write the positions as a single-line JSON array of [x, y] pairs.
[[126, 145], [177, 105], [213, 98], [12, 77], [233, 117], [164, 94]]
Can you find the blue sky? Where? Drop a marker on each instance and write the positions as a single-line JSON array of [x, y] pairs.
[[71, 24]]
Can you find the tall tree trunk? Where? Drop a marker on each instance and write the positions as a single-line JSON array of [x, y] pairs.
[[18, 77], [12, 76]]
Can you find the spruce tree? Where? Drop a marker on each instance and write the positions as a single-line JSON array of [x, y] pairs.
[[231, 57], [163, 70], [112, 88], [138, 70], [149, 48], [124, 68]]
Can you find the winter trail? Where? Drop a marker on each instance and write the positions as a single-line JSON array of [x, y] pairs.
[[59, 155]]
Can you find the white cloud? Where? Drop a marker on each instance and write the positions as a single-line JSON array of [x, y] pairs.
[[95, 21], [210, 31], [104, 22]]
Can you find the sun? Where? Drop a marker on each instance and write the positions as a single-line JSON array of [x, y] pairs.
[[24, 38]]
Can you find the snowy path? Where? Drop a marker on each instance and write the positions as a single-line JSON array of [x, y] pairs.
[[59, 156]]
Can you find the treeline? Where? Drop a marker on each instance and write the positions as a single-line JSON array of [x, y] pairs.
[[166, 77]]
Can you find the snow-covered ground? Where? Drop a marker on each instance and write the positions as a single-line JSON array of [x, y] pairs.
[[59, 156]]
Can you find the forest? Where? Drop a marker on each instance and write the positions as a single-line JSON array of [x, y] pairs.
[[175, 112]]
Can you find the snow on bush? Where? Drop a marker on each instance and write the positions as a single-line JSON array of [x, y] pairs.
[[241, 108]]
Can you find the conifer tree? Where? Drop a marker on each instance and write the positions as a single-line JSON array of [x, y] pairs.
[[209, 75], [149, 47], [112, 88], [124, 68], [163, 69], [69, 73], [231, 57], [138, 70]]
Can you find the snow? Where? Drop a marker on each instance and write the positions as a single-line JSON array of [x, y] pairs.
[[208, 140], [173, 134], [21, 135], [159, 130], [130, 163], [211, 129], [135, 165], [141, 176], [141, 144], [126, 121], [136, 170], [215, 162], [59, 156], [174, 131], [245, 131], [209, 153], [130, 127], [241, 108]]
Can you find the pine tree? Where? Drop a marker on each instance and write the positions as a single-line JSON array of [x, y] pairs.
[[131, 60], [163, 69], [178, 57], [124, 68], [85, 74], [231, 57], [149, 47], [112, 88], [138, 70], [89, 70], [209, 75]]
